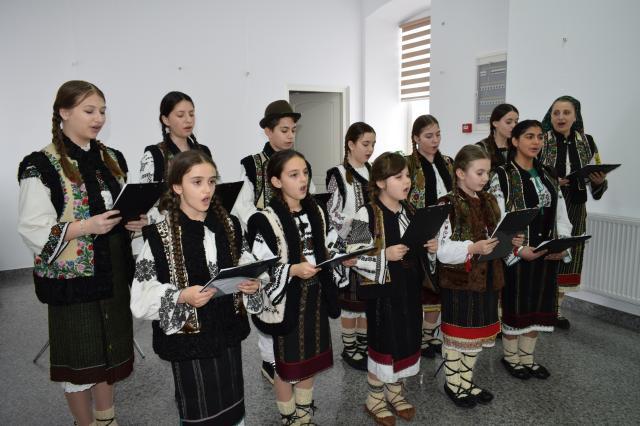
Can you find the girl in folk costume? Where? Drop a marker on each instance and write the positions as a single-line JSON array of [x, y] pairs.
[[431, 178], [503, 119], [568, 148], [177, 120], [391, 283], [348, 185], [294, 228], [198, 334], [529, 295], [66, 195], [469, 289]]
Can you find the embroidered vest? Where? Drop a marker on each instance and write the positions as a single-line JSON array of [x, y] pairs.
[[472, 221], [70, 276], [417, 194]]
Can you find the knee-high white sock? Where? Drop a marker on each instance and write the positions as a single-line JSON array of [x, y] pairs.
[[510, 348], [526, 347]]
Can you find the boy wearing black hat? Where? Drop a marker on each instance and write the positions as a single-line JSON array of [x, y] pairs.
[[279, 124]]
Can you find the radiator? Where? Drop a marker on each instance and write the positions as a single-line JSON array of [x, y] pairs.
[[612, 257]]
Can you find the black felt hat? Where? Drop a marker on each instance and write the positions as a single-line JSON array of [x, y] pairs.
[[278, 109]]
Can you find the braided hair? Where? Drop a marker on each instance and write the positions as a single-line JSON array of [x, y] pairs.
[[170, 201], [69, 95], [167, 105], [355, 132]]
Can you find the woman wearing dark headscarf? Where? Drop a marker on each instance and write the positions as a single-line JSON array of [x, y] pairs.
[[568, 148]]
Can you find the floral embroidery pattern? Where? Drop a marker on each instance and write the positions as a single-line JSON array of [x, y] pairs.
[[172, 315], [145, 270]]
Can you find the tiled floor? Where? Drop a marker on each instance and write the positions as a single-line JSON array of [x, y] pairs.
[[595, 379]]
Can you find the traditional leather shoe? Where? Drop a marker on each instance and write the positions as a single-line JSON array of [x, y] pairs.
[[431, 350], [268, 370], [484, 397], [537, 371], [383, 421], [563, 323], [360, 364], [519, 373], [407, 414], [461, 398]]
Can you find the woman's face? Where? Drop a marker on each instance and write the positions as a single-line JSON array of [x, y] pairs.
[[293, 180], [361, 150], [397, 186], [196, 190], [84, 121], [181, 120], [428, 140], [505, 125], [529, 143], [563, 115]]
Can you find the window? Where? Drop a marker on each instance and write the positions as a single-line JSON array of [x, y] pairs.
[[415, 66]]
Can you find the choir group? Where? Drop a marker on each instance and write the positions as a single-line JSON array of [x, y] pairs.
[[396, 303]]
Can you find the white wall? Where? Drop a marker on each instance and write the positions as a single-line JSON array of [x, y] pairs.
[[597, 65], [232, 57], [461, 31], [381, 45]]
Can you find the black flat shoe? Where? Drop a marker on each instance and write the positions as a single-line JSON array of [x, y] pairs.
[[360, 364], [484, 397], [461, 398], [563, 323], [431, 350], [516, 370], [268, 370], [537, 371]]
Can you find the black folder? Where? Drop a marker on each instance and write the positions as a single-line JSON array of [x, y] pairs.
[[330, 263], [248, 270], [559, 245], [592, 168], [510, 225], [227, 193], [136, 199], [425, 225]]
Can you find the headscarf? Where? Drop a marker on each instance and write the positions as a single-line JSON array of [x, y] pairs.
[[578, 125]]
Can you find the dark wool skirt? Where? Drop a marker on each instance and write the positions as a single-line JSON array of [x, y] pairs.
[[93, 342], [210, 391], [348, 297], [569, 273], [306, 350], [529, 297]]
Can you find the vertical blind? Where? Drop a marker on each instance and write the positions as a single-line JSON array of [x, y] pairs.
[[415, 65]]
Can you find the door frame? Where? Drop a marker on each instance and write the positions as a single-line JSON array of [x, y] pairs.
[[344, 91]]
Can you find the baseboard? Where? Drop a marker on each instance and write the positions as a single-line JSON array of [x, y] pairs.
[[620, 313], [12, 274]]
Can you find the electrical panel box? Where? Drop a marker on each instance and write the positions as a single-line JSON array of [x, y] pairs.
[[491, 89]]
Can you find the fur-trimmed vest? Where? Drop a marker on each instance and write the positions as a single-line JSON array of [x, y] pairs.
[[167, 147], [423, 180], [278, 228], [81, 271], [221, 323], [472, 220]]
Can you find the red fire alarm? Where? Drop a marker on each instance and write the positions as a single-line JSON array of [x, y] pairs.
[[466, 127]]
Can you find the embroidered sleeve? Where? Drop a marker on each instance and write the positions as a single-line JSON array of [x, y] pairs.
[[38, 221], [146, 168], [244, 206], [153, 300], [373, 268], [337, 219], [278, 275], [496, 191], [451, 252], [564, 226], [253, 303]]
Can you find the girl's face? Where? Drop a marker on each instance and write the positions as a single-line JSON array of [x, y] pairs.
[[283, 134], [428, 140], [563, 115], [293, 181], [475, 177], [529, 143], [196, 190], [181, 120], [360, 152], [84, 121], [505, 125], [396, 187]]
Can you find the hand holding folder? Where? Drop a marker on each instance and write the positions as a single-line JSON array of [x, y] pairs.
[[425, 224], [510, 225], [335, 260], [136, 199], [228, 280]]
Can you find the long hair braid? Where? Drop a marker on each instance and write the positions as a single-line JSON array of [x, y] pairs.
[[223, 216], [111, 164], [173, 208], [69, 170], [345, 163]]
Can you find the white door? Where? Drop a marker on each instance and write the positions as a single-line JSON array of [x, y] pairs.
[[319, 131]]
